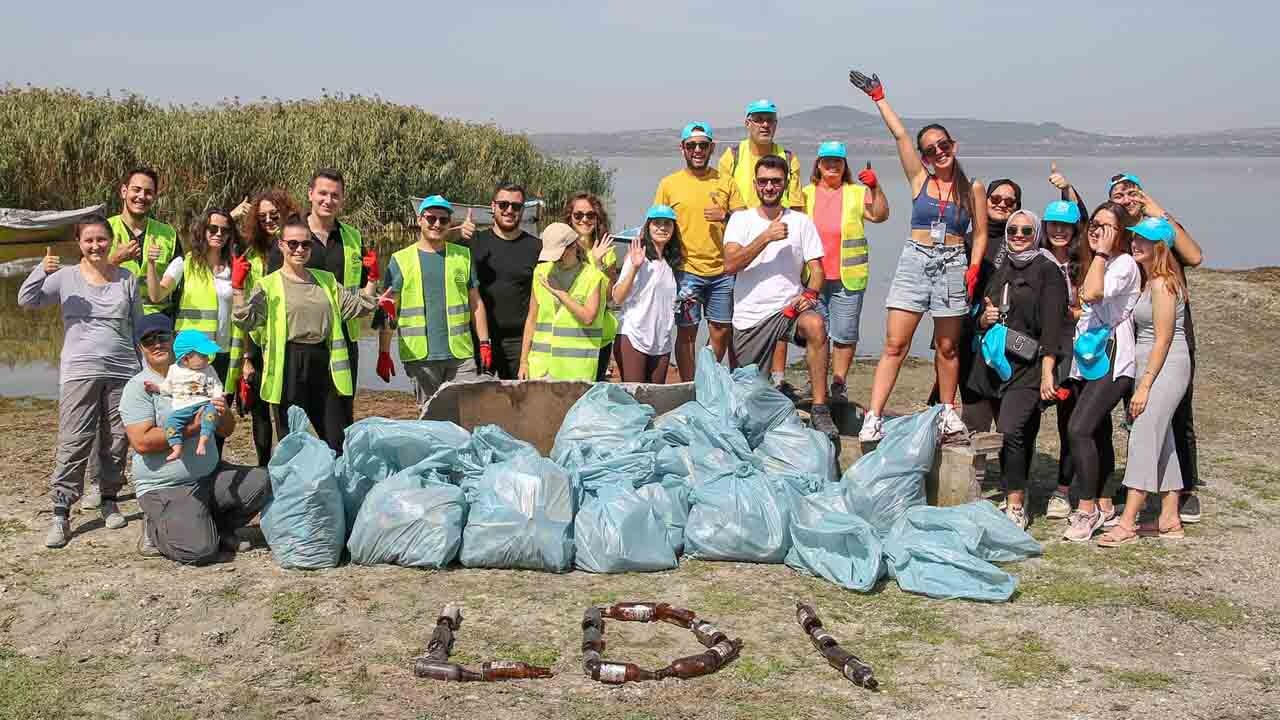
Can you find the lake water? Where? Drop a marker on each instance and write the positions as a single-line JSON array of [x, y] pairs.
[[1224, 202]]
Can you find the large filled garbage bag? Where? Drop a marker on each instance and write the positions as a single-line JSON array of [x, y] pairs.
[[793, 448], [884, 483], [601, 422], [522, 517], [617, 530], [692, 425], [305, 523], [758, 406], [740, 514], [377, 448], [942, 568], [413, 518], [978, 527], [669, 498], [713, 387], [829, 541], [489, 445]]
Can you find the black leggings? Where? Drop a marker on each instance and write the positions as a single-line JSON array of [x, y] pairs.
[[309, 385], [1184, 426], [1089, 433], [1019, 421], [602, 363], [1067, 472], [260, 413]]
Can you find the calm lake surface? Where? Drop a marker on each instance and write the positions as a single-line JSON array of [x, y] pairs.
[[1226, 203]]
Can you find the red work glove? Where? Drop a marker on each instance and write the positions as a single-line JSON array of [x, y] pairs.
[[245, 391], [486, 354], [868, 177], [386, 368], [370, 262], [971, 280], [790, 312], [239, 271], [388, 306], [869, 85]]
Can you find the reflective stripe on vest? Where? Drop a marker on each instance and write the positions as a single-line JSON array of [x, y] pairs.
[[257, 268], [352, 248], [412, 310], [157, 233], [744, 172], [853, 237], [562, 348], [272, 386]]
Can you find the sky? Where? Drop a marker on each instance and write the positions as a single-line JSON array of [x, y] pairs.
[[1174, 66]]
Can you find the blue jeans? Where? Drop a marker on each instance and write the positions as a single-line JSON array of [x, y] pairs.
[[930, 279], [842, 309], [695, 292], [176, 423]]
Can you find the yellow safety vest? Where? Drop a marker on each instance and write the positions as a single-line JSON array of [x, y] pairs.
[[198, 310], [157, 233], [413, 312], [257, 269], [744, 172], [273, 354], [562, 348], [351, 266], [610, 260], [853, 236]]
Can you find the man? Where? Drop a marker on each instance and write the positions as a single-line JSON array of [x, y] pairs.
[[1126, 190], [504, 257], [433, 285], [193, 505], [768, 248], [134, 233], [702, 198]]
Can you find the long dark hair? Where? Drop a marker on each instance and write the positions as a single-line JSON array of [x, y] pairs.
[[197, 259], [673, 253], [602, 217], [251, 230], [961, 186], [1124, 241]]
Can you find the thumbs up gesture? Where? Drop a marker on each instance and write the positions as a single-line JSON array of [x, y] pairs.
[[468, 226], [868, 177], [242, 209], [51, 262], [990, 313], [1056, 178]]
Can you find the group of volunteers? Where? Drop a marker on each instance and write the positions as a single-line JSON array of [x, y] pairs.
[[263, 305]]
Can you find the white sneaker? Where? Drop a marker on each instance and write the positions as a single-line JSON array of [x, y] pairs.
[[1018, 514], [1059, 507], [872, 428], [1082, 526], [59, 532], [951, 425]]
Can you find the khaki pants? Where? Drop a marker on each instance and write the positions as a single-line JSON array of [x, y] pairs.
[[91, 439], [186, 522]]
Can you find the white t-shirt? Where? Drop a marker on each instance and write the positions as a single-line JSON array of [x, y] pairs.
[[221, 286], [1121, 287], [763, 288], [648, 317]]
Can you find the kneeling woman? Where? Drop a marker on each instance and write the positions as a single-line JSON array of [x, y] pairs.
[[566, 327], [305, 361], [1024, 314], [646, 292]]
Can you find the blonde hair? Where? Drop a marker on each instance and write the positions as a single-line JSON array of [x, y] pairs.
[[1166, 267]]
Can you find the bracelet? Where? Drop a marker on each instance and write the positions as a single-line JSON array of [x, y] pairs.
[[720, 649]]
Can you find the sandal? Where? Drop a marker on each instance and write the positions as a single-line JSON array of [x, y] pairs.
[[1175, 532], [1117, 536]]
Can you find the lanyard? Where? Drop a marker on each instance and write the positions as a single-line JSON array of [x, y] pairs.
[[943, 202]]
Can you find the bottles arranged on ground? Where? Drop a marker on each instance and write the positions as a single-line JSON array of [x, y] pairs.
[[495, 670], [615, 673], [425, 667], [592, 639], [853, 669], [441, 643], [435, 663], [705, 663], [649, 612], [720, 649], [709, 635]]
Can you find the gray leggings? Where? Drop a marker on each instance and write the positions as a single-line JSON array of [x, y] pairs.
[[1153, 461], [91, 439]]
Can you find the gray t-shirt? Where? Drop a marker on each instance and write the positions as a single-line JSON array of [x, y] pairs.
[[97, 321], [151, 471]]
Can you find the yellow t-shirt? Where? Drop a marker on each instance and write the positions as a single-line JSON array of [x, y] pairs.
[[689, 195], [745, 176]]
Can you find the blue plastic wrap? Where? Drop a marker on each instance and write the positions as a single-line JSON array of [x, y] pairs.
[[305, 523], [522, 517], [884, 483], [600, 423], [617, 530], [692, 425], [793, 448], [977, 526], [713, 387], [489, 445], [832, 543], [670, 499], [739, 514], [758, 406], [377, 448], [413, 518]]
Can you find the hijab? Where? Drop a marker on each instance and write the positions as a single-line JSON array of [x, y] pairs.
[[1022, 259]]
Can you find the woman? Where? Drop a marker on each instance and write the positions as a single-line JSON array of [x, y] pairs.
[[1104, 361], [838, 208], [586, 214], [305, 359], [1027, 297], [1164, 373], [933, 275], [100, 309], [566, 323], [646, 292]]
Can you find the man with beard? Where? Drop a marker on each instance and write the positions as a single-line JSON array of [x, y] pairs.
[[504, 256], [768, 248], [702, 198], [134, 233]]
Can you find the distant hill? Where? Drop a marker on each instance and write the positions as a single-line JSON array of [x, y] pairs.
[[865, 131]]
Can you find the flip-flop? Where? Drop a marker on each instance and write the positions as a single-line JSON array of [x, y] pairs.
[[1109, 538], [1153, 530]]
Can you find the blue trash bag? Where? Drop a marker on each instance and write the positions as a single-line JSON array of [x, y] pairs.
[[692, 424], [489, 445], [829, 541], [937, 564], [758, 406], [600, 422], [522, 517], [617, 530], [713, 387], [377, 448], [740, 514], [793, 448], [413, 518], [977, 526], [884, 483], [669, 497], [633, 469], [305, 523]]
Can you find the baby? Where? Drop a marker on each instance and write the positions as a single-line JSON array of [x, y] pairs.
[[192, 384]]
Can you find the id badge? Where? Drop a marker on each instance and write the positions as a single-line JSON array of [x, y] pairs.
[[937, 232]]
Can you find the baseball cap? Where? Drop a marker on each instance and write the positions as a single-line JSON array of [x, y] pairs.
[[695, 129], [660, 211], [434, 201], [555, 239], [1124, 177], [1062, 211], [189, 341], [993, 343], [1091, 353], [762, 106], [153, 323], [833, 149], [1155, 229]]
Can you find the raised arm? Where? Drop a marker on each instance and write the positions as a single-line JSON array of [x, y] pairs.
[[907, 153], [43, 286], [1184, 246], [159, 288]]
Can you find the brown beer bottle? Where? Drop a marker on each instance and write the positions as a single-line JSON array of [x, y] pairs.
[[703, 663], [496, 670], [441, 643], [856, 671], [707, 633], [668, 613], [807, 616], [615, 673], [631, 611], [447, 671]]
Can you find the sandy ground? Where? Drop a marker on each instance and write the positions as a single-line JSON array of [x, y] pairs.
[[1186, 629]]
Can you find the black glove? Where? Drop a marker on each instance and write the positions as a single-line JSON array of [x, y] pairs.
[[869, 85]]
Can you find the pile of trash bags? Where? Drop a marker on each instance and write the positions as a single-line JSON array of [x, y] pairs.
[[733, 475]]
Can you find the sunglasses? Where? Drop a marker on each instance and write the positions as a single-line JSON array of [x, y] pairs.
[[218, 230], [296, 245], [505, 205], [1007, 201], [1095, 225], [151, 340], [434, 220], [771, 182], [580, 216], [763, 119], [942, 146], [1025, 231], [271, 216], [697, 145]]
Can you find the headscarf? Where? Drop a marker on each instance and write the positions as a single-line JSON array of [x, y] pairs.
[[1022, 259]]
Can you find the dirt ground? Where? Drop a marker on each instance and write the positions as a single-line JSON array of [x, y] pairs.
[[1166, 629]]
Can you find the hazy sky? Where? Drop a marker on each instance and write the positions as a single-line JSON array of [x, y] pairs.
[[615, 64]]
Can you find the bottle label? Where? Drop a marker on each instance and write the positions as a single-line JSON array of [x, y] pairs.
[[722, 649], [504, 665], [611, 673], [638, 613], [708, 629], [821, 637]]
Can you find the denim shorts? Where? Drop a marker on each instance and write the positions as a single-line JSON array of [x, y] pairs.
[[695, 292], [842, 309], [930, 279]]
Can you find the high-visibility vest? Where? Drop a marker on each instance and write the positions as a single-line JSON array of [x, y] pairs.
[[157, 233], [853, 236], [278, 334], [412, 311], [563, 349], [610, 260], [351, 267], [257, 269], [744, 173], [198, 310]]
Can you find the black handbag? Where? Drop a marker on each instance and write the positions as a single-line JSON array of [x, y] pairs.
[[1016, 343]]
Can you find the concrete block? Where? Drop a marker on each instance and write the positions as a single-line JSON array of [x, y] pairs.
[[958, 468]]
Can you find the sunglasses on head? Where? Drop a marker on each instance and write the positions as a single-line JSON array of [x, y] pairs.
[[1025, 231], [697, 145], [580, 215], [942, 146], [296, 245], [1007, 201], [434, 220], [770, 182], [505, 205]]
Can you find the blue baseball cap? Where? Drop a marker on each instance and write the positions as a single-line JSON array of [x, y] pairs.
[[1062, 211], [189, 341], [993, 351], [153, 323], [833, 149], [1155, 229], [1091, 353], [434, 201], [660, 211], [762, 106], [1126, 177], [695, 128]]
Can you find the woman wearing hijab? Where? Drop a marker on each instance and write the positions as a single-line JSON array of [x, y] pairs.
[[1023, 317]]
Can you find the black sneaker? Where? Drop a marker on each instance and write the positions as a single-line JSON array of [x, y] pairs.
[[789, 390], [820, 418], [1189, 508]]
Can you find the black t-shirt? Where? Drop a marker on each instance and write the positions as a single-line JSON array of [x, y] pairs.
[[324, 256], [504, 269]]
